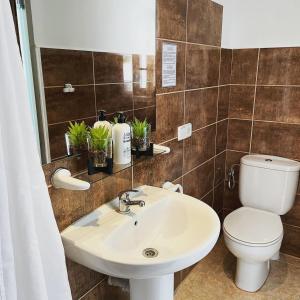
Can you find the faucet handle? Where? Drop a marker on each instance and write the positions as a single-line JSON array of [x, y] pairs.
[[126, 192]]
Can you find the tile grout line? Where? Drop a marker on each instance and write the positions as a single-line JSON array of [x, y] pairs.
[[73, 120], [74, 85], [168, 141], [141, 108], [97, 84], [94, 86], [211, 190], [202, 88], [206, 126], [214, 188], [221, 182], [254, 101], [191, 90], [180, 177], [196, 130], [227, 137], [198, 166], [290, 225], [169, 93], [277, 122], [217, 117], [189, 43], [185, 84], [231, 64], [266, 121], [90, 117], [267, 85], [201, 164], [92, 288], [219, 80], [238, 151]]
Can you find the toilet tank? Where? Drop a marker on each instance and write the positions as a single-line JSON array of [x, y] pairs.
[[268, 182]]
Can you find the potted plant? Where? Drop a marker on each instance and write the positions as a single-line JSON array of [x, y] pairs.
[[76, 138], [140, 134], [100, 145]]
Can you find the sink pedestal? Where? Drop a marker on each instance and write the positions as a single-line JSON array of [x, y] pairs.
[[158, 288]]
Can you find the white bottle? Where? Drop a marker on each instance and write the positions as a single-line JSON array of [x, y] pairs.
[[102, 122], [121, 135]]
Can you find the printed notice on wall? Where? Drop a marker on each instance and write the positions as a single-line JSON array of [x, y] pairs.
[[169, 53]]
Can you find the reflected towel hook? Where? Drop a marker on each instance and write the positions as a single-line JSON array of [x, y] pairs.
[[68, 88]]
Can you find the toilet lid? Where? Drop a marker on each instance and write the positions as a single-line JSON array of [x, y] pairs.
[[253, 226]]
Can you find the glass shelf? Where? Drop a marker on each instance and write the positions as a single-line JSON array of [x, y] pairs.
[[77, 165]]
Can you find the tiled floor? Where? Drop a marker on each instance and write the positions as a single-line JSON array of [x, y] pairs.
[[212, 279]]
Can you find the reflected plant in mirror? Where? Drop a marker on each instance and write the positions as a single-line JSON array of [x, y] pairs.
[[76, 138], [99, 142]]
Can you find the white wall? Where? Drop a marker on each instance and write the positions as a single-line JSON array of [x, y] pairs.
[[227, 22], [102, 25], [261, 23]]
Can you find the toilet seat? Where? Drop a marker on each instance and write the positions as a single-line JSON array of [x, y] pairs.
[[253, 227]]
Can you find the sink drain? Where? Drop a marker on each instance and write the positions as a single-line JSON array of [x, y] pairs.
[[150, 252]]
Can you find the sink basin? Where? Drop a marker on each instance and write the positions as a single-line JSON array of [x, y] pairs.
[[172, 232]]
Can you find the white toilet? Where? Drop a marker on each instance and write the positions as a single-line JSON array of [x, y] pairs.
[[254, 232]]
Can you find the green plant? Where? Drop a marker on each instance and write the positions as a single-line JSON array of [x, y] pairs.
[[99, 138], [78, 133], [139, 128], [115, 120]]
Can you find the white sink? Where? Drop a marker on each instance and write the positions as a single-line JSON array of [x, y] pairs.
[[181, 228]]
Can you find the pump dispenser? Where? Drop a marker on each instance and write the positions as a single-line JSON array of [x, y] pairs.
[[103, 122], [121, 135]]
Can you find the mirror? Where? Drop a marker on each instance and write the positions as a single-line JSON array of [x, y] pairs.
[[89, 56]]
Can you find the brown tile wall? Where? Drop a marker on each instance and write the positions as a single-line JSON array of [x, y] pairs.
[[198, 163], [100, 83], [264, 118], [239, 101]]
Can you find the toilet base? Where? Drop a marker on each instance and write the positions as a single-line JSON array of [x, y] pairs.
[[276, 256], [250, 276]]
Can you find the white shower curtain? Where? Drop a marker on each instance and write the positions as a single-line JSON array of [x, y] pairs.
[[32, 263]]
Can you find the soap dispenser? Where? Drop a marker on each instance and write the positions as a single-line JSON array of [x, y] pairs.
[[121, 135], [103, 122]]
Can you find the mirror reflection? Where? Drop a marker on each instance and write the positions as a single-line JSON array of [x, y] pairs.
[[92, 61]]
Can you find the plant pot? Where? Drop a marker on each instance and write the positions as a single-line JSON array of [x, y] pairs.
[[99, 151], [142, 142], [99, 158], [74, 149]]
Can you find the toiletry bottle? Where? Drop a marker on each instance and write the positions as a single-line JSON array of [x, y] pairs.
[[103, 122], [121, 135]]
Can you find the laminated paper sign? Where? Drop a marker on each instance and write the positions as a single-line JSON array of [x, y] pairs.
[[169, 54]]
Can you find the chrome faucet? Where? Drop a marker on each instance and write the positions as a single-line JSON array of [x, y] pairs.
[[125, 202]]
